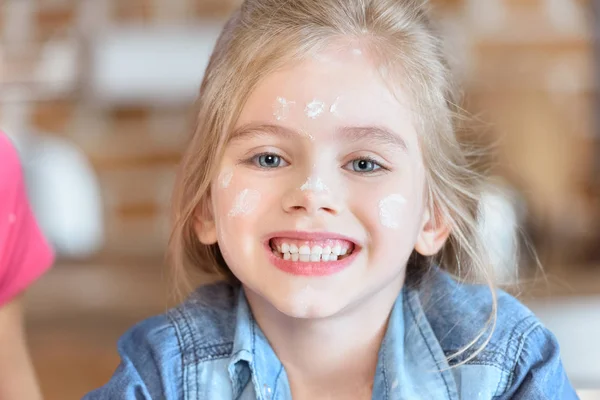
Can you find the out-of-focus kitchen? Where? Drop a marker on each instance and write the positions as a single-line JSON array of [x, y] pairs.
[[97, 96]]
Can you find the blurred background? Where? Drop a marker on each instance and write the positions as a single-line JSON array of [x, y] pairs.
[[97, 96]]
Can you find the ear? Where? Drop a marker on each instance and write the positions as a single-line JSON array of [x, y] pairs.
[[434, 233], [204, 223]]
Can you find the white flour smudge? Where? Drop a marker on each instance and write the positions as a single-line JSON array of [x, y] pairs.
[[389, 210], [245, 202], [314, 109], [281, 108], [334, 107], [225, 178], [316, 185]]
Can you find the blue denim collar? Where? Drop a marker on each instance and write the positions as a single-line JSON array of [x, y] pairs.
[[411, 361], [253, 357]]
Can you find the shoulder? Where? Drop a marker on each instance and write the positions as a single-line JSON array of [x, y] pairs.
[[155, 352], [206, 322], [518, 354], [203, 325], [24, 252], [150, 363], [461, 313]]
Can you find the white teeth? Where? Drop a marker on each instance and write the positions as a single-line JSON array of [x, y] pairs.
[[304, 250], [305, 253], [316, 250], [337, 250]]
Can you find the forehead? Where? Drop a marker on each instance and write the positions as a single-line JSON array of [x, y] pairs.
[[345, 87]]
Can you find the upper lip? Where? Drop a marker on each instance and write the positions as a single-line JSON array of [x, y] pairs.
[[302, 235]]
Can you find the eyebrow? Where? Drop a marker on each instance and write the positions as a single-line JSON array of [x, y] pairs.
[[376, 134]]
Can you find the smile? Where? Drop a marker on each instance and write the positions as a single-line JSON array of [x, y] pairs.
[[310, 253], [327, 250]]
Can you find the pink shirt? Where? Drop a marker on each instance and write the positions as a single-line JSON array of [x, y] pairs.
[[24, 252]]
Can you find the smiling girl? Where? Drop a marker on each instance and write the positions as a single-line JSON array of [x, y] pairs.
[[327, 182]]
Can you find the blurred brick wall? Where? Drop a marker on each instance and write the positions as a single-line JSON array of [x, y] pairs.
[[528, 67], [134, 149], [527, 63]]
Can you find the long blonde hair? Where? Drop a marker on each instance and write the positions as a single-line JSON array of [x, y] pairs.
[[264, 35]]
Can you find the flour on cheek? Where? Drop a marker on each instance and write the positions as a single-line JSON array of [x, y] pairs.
[[225, 178], [245, 202], [390, 211]]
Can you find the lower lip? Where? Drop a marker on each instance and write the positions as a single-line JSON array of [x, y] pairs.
[[311, 268]]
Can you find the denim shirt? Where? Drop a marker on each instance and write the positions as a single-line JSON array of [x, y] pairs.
[[210, 347]]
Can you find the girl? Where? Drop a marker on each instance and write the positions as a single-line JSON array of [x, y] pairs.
[[24, 256], [328, 182]]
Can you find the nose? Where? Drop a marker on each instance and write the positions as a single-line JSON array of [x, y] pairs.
[[312, 198]]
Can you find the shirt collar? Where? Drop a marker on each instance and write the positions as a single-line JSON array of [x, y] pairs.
[[411, 361], [253, 357]]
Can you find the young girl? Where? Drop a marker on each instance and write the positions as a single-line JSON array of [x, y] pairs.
[[328, 182], [24, 256]]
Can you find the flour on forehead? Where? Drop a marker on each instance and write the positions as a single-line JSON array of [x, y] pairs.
[[281, 108], [334, 107], [314, 108]]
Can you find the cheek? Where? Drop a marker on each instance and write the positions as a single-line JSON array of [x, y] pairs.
[[391, 210], [225, 178], [244, 203], [395, 229], [235, 208], [239, 203], [391, 215]]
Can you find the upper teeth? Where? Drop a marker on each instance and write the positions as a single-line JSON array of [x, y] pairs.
[[314, 253]]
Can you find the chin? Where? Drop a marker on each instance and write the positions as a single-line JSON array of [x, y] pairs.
[[306, 303]]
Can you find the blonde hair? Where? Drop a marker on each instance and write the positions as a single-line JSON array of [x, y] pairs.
[[265, 35]]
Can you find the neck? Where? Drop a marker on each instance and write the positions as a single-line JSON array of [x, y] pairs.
[[325, 354]]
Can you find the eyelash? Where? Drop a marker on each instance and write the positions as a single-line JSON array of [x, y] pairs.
[[253, 162]]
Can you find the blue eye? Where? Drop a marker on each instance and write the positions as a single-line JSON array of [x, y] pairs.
[[364, 165], [268, 160]]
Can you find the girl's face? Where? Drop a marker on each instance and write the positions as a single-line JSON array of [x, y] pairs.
[[320, 197]]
